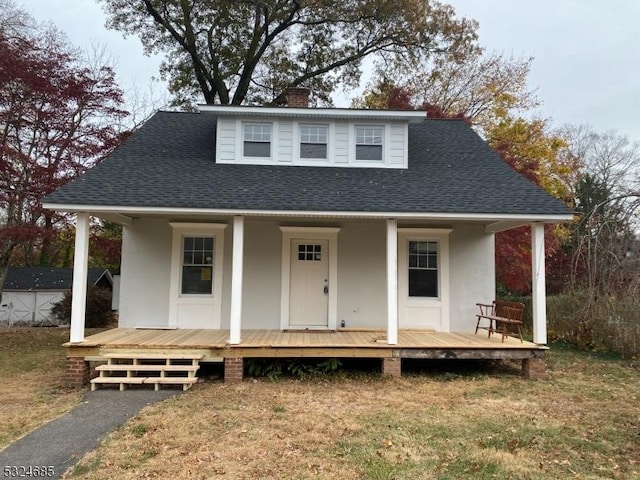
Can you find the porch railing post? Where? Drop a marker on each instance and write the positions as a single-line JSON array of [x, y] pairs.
[[392, 282], [538, 284], [236, 280], [80, 269]]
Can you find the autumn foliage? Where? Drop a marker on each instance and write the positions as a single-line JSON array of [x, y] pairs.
[[59, 115], [525, 145]]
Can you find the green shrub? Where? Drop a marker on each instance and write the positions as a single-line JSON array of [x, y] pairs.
[[98, 311], [273, 369]]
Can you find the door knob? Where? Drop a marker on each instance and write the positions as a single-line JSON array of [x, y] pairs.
[[326, 289]]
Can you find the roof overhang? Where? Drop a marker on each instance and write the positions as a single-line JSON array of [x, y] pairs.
[[410, 116], [494, 222]]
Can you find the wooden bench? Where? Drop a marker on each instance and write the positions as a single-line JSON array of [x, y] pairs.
[[502, 315]]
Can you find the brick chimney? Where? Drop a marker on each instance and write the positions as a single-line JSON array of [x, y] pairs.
[[298, 97]]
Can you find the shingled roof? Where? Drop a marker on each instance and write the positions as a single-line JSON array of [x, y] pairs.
[[49, 278], [170, 163]]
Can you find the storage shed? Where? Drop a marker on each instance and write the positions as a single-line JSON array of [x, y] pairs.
[[30, 292]]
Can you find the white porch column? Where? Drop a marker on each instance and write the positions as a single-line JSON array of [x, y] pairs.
[[80, 268], [392, 282], [538, 284], [236, 280]]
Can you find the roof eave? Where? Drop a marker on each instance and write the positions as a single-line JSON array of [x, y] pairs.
[[410, 116], [125, 213]]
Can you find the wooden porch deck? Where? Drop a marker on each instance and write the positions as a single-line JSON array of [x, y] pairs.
[[213, 344]]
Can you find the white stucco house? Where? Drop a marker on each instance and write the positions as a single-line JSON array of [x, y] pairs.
[[242, 218]]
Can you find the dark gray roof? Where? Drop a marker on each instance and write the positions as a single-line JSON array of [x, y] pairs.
[[170, 162], [45, 278]]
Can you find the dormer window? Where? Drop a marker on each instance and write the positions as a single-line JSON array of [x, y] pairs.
[[313, 141], [369, 142], [257, 140]]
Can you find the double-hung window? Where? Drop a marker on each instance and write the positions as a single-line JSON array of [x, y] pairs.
[[369, 142], [257, 140], [423, 269], [197, 265], [313, 141]]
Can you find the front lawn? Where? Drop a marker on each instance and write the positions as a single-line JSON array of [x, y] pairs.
[[32, 364], [477, 422]]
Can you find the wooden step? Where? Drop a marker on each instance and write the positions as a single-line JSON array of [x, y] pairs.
[[147, 368], [151, 356], [123, 367], [122, 381], [157, 381]]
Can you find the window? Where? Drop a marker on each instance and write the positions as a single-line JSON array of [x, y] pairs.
[[423, 268], [369, 142], [310, 252], [197, 266], [313, 141], [257, 140]]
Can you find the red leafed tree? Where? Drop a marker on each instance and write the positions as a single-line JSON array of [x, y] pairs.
[[58, 117]]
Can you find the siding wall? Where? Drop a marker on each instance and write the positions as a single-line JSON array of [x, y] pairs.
[[144, 298], [145, 274], [285, 138]]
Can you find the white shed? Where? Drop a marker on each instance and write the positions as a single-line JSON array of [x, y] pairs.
[[30, 292]]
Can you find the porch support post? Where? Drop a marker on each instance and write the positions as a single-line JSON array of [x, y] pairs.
[[80, 268], [538, 284], [236, 280], [392, 282]]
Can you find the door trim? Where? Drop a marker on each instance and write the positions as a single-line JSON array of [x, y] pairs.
[[322, 233]]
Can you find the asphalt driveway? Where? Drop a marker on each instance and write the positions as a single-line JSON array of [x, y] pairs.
[[61, 443]]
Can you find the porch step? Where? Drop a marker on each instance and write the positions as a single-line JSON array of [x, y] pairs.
[[147, 369]]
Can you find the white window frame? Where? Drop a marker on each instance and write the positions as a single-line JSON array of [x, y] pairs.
[[353, 143], [381, 144], [441, 236], [299, 141], [437, 267], [243, 132], [181, 230], [212, 265]]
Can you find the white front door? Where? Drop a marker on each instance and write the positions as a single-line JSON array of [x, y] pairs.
[[309, 284]]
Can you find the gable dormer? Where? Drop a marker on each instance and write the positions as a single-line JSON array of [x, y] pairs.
[[333, 137]]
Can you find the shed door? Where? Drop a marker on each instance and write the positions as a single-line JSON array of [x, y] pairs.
[[309, 290], [20, 306], [44, 303]]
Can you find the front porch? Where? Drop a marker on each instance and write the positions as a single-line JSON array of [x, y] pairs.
[[214, 346]]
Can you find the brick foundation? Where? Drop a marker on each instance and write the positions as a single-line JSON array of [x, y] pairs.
[[233, 369], [392, 367], [534, 368], [77, 374]]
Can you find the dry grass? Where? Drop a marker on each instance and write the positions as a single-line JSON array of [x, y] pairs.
[[32, 365], [583, 422]]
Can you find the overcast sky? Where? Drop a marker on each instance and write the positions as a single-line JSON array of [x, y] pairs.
[[587, 52]]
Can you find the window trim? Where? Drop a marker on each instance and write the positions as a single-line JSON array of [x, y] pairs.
[[176, 297], [243, 125], [213, 265], [383, 144], [437, 268], [427, 305], [299, 141]]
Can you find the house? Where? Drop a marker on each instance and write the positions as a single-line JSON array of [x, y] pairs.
[[30, 292], [240, 219]]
